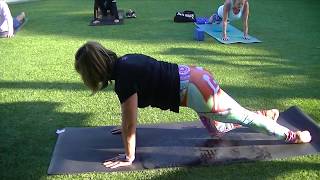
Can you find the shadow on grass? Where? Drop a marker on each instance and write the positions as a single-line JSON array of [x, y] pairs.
[[271, 96], [182, 51], [66, 86], [238, 92], [258, 170], [274, 68], [274, 65], [27, 137]]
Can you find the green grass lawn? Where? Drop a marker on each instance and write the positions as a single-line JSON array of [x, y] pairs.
[[41, 92]]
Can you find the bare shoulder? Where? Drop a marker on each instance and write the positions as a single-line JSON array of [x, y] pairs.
[[227, 2], [246, 3]]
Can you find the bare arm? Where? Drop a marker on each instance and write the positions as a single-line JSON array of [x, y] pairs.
[[129, 123], [226, 10], [245, 18]]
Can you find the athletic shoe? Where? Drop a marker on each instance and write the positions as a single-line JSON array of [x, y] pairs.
[[225, 127], [298, 137], [131, 14]]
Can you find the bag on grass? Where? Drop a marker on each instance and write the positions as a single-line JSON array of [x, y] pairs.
[[185, 16]]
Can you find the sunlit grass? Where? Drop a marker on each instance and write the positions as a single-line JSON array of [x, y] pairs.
[[41, 92]]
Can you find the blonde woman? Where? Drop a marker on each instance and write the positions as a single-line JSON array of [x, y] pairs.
[[232, 10]]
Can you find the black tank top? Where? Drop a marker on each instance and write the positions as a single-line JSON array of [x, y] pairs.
[[157, 83]]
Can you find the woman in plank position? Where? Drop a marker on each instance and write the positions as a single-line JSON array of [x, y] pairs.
[[229, 11], [142, 81]]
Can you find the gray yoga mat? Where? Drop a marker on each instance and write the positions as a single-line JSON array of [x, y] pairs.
[[81, 150], [235, 35]]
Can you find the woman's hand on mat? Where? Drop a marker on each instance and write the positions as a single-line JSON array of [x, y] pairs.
[[118, 161], [246, 37], [225, 38]]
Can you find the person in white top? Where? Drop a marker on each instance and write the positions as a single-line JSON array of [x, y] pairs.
[[232, 10], [8, 24]]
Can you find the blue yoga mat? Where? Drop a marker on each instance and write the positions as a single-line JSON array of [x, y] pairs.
[[235, 35]]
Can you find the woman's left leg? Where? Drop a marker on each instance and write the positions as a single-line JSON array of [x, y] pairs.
[[201, 93]]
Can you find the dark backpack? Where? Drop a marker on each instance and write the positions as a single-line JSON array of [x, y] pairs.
[[185, 16]]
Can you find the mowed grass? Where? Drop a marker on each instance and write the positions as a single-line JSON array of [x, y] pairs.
[[41, 92]]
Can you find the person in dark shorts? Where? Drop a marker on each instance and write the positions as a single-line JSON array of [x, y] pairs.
[[105, 7]]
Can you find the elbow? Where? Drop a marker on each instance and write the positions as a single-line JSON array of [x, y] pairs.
[[225, 23], [129, 128]]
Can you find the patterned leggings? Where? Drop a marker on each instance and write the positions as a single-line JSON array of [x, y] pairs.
[[199, 91]]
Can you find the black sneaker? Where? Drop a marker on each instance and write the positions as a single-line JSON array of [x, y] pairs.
[[131, 14]]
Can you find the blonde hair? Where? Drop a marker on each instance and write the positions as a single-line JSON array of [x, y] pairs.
[[95, 64]]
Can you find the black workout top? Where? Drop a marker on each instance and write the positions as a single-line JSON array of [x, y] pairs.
[[156, 83]]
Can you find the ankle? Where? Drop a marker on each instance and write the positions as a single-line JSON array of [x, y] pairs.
[[291, 137]]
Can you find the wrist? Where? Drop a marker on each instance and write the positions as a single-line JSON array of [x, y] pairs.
[[130, 158], [126, 158]]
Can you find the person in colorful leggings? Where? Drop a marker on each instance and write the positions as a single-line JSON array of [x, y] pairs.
[[141, 81], [232, 10], [8, 24]]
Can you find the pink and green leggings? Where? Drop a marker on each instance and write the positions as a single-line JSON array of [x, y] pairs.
[[199, 91]]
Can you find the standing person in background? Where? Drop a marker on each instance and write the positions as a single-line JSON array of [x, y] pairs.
[[232, 10], [8, 24]]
